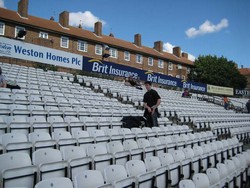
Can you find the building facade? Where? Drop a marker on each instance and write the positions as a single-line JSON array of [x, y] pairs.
[[61, 36], [246, 73]]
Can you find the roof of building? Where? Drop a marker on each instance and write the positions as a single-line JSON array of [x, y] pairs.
[[53, 26], [245, 71]]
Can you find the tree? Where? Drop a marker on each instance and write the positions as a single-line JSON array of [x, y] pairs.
[[217, 71]]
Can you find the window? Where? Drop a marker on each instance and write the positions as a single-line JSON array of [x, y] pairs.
[[188, 69], [177, 76], [2, 28], [98, 49], [64, 42], [170, 66], [160, 64], [113, 52], [170, 75], [183, 77], [43, 35], [179, 66], [126, 56], [19, 29], [139, 58], [82, 46], [150, 61]]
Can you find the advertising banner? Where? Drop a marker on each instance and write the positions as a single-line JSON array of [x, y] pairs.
[[113, 69], [242, 92], [220, 90], [22, 50]]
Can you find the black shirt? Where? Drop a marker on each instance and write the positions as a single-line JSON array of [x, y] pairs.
[[151, 97]]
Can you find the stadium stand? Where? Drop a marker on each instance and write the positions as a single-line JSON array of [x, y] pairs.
[[55, 131]]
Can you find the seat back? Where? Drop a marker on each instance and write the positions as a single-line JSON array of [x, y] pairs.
[[114, 172], [55, 183], [135, 167]]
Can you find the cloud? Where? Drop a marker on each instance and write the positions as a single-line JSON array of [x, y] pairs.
[[167, 47], [206, 27], [87, 19], [2, 4]]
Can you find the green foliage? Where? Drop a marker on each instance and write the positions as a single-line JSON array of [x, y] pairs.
[[217, 71], [46, 67]]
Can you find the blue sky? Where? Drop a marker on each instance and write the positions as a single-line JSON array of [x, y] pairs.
[[199, 27]]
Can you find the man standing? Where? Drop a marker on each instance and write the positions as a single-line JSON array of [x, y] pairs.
[[151, 101], [248, 106]]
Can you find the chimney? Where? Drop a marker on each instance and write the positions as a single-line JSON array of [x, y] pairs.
[[137, 40], [52, 18], [64, 18], [23, 8], [185, 55], [242, 66], [111, 35], [98, 28], [177, 51], [158, 45]]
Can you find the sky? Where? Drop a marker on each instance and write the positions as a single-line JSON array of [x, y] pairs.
[[199, 27]]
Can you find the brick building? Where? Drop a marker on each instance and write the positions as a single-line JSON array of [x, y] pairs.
[[246, 73], [60, 35]]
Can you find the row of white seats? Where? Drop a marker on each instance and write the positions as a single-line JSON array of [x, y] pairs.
[[167, 168]]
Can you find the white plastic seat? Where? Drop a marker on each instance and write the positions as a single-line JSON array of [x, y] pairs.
[[132, 147], [64, 139], [53, 111], [16, 170], [113, 134], [37, 110], [99, 136], [4, 109], [3, 125], [173, 169], [159, 147], [90, 122], [179, 156], [40, 124], [154, 164], [117, 176], [186, 184], [139, 133], [57, 123], [119, 155], [214, 177], [201, 180], [89, 179], [148, 150], [167, 140], [41, 140], [19, 99], [74, 123], [101, 157], [18, 124], [35, 99], [18, 109], [223, 172], [17, 142], [127, 134], [137, 169], [77, 160], [5, 98], [50, 163], [83, 138], [55, 183]]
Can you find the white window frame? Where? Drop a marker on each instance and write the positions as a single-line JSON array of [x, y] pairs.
[[170, 66], [139, 58], [82, 46], [98, 49], [113, 53], [188, 69], [160, 72], [127, 56], [183, 77], [179, 66], [43, 35], [62, 42], [160, 63], [17, 29], [177, 76], [170, 75], [150, 61], [3, 28]]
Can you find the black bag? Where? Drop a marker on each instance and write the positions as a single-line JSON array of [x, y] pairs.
[[133, 121]]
